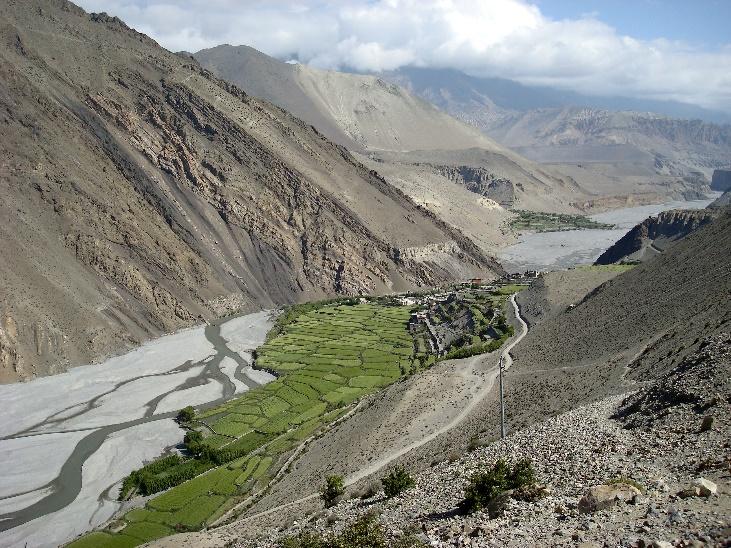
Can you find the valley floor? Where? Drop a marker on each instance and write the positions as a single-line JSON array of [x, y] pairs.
[[67, 441]]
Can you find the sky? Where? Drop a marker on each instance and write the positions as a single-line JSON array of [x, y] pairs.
[[652, 49]]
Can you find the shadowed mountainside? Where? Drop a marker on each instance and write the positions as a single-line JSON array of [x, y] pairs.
[[654, 234], [645, 320], [142, 194]]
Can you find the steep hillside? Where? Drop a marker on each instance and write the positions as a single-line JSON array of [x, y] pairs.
[[657, 458], [393, 130], [371, 112], [722, 201], [647, 318], [663, 325], [654, 234], [142, 194]]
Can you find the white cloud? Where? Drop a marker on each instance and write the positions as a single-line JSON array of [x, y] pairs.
[[508, 38]]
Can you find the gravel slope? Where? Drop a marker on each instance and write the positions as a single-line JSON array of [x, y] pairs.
[[664, 452]]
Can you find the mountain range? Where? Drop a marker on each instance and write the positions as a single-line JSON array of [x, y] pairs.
[[552, 159], [610, 138]]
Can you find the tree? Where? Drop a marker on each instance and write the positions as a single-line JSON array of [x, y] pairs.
[[333, 488], [397, 482], [193, 440], [186, 414]]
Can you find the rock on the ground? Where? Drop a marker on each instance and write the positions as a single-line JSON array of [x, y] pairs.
[[603, 497]]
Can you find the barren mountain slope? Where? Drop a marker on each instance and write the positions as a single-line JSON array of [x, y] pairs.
[[277, 82], [389, 124], [621, 146], [646, 319], [723, 200], [374, 114], [654, 234], [141, 194], [547, 123]]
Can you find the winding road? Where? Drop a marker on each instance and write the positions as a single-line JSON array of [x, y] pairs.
[[385, 460]]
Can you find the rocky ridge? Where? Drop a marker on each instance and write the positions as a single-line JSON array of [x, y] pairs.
[[654, 234], [721, 179]]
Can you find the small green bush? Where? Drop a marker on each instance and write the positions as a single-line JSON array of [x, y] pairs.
[[397, 482], [366, 532], [626, 481], [334, 487], [485, 487], [522, 474], [186, 414]]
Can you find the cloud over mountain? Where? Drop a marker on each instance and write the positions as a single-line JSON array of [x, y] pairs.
[[507, 38]]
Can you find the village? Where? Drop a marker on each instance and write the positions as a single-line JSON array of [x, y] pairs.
[[464, 319]]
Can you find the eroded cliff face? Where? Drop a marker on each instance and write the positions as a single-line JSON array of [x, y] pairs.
[[141, 194], [721, 180], [481, 181], [654, 234]]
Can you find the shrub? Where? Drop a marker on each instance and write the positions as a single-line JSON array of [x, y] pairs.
[[485, 487], [366, 532], [332, 489], [397, 482], [626, 481], [193, 441], [522, 474], [303, 540], [186, 414]]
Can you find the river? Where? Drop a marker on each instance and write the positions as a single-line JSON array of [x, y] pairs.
[[558, 250], [67, 441]]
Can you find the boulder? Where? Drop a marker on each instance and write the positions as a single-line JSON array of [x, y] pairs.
[[602, 497], [700, 487]]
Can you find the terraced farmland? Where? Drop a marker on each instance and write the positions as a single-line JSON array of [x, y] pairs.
[[326, 358]]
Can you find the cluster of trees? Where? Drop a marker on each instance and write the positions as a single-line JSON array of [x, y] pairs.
[[149, 484], [139, 480], [185, 415], [473, 350]]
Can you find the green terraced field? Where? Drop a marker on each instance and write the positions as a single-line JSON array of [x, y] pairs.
[[326, 357], [536, 221]]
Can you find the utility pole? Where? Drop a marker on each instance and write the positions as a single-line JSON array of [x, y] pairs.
[[502, 401]]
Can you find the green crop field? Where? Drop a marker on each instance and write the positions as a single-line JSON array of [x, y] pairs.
[[606, 267], [326, 357], [537, 221]]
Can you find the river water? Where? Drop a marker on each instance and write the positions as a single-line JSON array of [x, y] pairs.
[[67, 441], [558, 250]]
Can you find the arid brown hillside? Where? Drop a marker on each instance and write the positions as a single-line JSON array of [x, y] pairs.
[[142, 194], [635, 326], [654, 234]]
